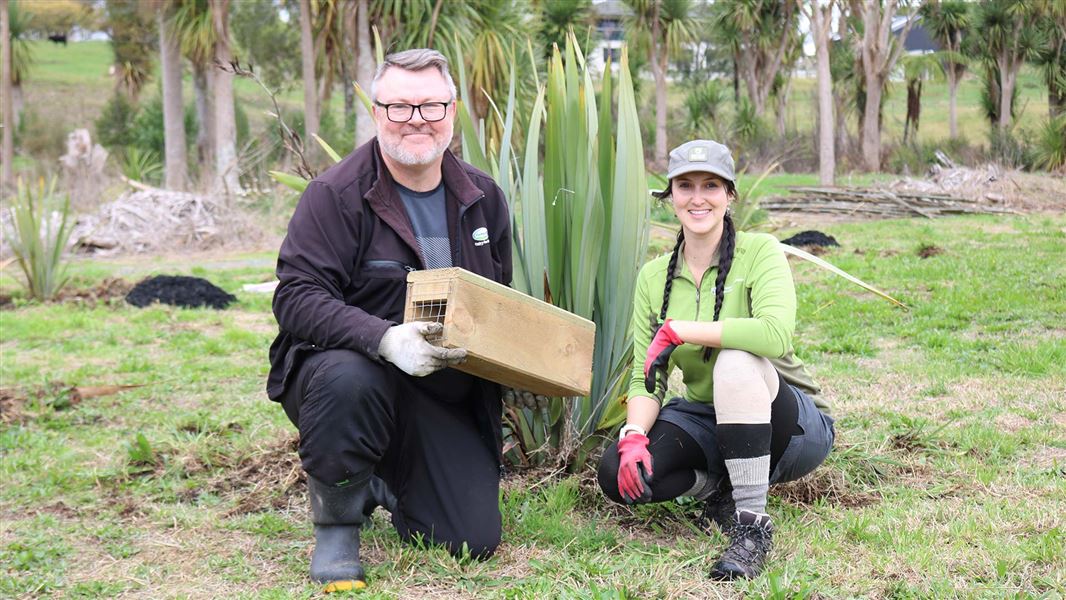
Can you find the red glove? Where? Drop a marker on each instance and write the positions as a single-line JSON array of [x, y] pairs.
[[634, 466], [659, 350]]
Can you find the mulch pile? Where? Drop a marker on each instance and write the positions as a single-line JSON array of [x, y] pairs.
[[179, 290], [811, 238]]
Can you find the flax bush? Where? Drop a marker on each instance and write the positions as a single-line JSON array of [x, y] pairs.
[[39, 232]]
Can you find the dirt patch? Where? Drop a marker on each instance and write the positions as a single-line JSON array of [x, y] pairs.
[[823, 485], [1047, 457], [12, 406], [111, 289], [269, 477], [179, 290], [928, 250]]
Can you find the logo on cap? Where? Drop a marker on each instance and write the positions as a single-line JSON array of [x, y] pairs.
[[697, 154]]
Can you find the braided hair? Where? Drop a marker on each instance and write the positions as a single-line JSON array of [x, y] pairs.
[[726, 246]]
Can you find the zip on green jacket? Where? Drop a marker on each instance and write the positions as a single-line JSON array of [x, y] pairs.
[[758, 315]]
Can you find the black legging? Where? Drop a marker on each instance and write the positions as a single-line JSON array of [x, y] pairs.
[[675, 455]]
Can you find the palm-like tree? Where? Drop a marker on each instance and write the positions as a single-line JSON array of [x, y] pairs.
[[666, 25], [19, 21], [131, 27], [1051, 56], [307, 54], [764, 37], [558, 17], [226, 168], [173, 112], [492, 52], [7, 151], [947, 21], [1008, 37], [192, 22]]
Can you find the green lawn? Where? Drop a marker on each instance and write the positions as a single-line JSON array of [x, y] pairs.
[[947, 479]]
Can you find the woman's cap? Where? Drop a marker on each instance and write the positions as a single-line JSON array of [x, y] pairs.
[[702, 156]]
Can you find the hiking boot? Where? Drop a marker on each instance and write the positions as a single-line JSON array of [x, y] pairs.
[[337, 513], [718, 507], [751, 537]]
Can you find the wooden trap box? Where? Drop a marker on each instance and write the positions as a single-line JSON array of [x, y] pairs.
[[511, 338]]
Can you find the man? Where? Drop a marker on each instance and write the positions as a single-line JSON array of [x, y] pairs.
[[376, 404]]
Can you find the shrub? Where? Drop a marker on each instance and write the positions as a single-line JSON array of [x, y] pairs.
[[115, 126], [148, 127], [141, 165], [1009, 150], [913, 158], [1050, 145], [41, 227], [40, 137], [703, 104]]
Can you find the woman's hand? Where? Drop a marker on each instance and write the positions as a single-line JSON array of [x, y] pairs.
[[658, 357], [634, 468]]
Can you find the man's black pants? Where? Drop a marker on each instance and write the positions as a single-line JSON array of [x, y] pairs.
[[356, 415]]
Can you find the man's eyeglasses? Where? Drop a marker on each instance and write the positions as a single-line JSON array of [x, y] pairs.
[[402, 113]]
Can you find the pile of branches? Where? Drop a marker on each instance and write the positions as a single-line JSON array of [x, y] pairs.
[[149, 219], [880, 202]]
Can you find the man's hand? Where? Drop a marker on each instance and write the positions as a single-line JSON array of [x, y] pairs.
[[517, 398], [658, 358], [634, 468], [406, 347]]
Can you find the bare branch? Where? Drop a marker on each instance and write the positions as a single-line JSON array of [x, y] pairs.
[[290, 140]]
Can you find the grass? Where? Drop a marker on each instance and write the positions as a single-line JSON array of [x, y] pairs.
[[947, 479]]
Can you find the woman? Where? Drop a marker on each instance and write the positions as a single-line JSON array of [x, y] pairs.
[[725, 316]]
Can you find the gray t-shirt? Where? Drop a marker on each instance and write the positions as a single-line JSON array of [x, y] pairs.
[[430, 221]]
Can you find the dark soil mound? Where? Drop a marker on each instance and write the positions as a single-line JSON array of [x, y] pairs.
[[811, 238], [179, 290]]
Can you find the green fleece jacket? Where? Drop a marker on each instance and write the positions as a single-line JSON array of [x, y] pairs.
[[758, 315]]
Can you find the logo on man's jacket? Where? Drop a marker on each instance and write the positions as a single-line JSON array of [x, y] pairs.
[[481, 236]]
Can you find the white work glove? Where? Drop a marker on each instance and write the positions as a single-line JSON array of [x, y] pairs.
[[406, 347]]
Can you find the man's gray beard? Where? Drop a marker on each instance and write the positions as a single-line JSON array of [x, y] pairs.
[[397, 153]]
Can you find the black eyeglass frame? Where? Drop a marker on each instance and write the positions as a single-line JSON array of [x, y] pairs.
[[413, 108]]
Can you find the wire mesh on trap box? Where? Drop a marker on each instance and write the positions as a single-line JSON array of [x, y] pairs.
[[429, 302]]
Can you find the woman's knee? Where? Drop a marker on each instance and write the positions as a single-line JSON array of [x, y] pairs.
[[743, 382], [607, 474]]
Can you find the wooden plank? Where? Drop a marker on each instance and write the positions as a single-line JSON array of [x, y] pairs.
[[510, 338]]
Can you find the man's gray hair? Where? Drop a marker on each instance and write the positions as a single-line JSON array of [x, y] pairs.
[[415, 59]]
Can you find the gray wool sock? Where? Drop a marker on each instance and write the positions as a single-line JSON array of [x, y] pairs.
[[705, 484], [751, 481]]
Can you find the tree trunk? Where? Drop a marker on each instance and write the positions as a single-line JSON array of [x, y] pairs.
[[7, 150], [307, 52], [205, 115], [1056, 103], [364, 70], [227, 174], [658, 69], [16, 106], [1008, 74], [826, 151], [871, 130], [347, 53], [782, 108], [173, 113], [953, 91], [736, 80]]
